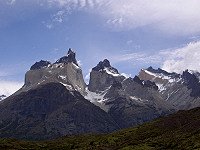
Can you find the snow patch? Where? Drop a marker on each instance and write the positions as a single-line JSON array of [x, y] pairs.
[[95, 97], [138, 99], [76, 66], [148, 72], [63, 77], [161, 76], [161, 87], [111, 72], [69, 87]]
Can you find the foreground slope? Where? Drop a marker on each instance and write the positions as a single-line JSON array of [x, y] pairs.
[[51, 111], [177, 131]]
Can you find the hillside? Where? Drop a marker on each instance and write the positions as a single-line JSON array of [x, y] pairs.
[[177, 131]]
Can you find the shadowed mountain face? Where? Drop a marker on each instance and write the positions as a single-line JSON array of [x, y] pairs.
[[177, 131], [51, 111]]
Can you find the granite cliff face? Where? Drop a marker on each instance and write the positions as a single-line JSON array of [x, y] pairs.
[[65, 71], [102, 76]]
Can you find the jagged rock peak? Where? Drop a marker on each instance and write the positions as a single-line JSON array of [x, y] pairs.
[[151, 69], [103, 65], [40, 64], [190, 78], [192, 82], [137, 80], [146, 83], [71, 57], [161, 71]]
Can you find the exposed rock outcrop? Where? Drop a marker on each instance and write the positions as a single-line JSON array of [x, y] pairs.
[[40, 64], [65, 71], [103, 76]]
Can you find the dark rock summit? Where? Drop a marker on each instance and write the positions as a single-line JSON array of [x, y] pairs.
[[192, 83], [40, 64], [145, 83], [161, 71], [71, 57], [103, 76], [105, 64]]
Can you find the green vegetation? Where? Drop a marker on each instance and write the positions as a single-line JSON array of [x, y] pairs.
[[177, 131]]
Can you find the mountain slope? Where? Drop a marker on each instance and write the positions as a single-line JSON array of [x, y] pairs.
[[176, 131], [181, 90], [51, 111]]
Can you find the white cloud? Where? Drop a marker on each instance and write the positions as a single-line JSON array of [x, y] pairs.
[[180, 17], [184, 58], [76, 3], [87, 77], [169, 16], [139, 57], [11, 2], [79, 63], [171, 60], [9, 87]]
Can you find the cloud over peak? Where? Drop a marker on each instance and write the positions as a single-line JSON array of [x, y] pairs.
[[184, 58]]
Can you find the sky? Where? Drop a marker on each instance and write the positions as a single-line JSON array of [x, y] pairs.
[[132, 34]]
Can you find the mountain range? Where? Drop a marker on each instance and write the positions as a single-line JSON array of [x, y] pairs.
[[55, 100]]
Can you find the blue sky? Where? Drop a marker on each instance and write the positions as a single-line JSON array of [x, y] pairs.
[[132, 34]]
